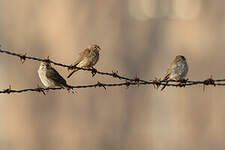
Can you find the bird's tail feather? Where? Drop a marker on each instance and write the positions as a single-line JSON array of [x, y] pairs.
[[164, 86]]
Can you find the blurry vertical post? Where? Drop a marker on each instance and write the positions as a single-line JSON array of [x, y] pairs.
[[174, 9]]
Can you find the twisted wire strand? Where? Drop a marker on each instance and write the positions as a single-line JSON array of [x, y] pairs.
[[39, 89], [104, 85], [23, 57], [129, 81]]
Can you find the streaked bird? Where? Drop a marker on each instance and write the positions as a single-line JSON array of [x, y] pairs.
[[50, 77], [88, 58], [177, 70]]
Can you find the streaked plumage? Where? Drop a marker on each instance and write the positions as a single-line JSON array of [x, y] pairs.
[[177, 71], [88, 58], [50, 77]]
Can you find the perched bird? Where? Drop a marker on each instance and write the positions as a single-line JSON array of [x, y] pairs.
[[177, 71], [50, 77], [88, 58]]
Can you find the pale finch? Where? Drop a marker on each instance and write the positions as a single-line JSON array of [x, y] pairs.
[[50, 77], [88, 58], [177, 70]]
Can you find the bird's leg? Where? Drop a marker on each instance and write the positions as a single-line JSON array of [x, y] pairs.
[[94, 71]]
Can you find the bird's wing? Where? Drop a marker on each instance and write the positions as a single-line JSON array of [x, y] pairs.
[[54, 75], [169, 70], [83, 54]]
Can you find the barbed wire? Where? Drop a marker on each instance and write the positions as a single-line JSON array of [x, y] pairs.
[[128, 81], [42, 90], [24, 56], [127, 84]]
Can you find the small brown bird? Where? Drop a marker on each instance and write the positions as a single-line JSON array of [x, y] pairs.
[[88, 58], [50, 77], [177, 71]]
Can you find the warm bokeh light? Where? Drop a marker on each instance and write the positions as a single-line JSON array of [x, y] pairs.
[[137, 37]]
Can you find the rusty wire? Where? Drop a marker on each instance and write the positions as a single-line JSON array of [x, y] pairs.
[[128, 81], [23, 57]]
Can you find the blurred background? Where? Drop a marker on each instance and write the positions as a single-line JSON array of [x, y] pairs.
[[138, 38]]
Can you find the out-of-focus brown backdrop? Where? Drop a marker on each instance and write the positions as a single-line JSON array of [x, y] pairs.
[[138, 37]]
